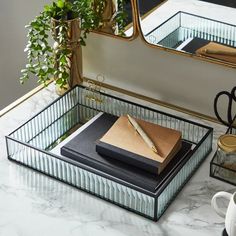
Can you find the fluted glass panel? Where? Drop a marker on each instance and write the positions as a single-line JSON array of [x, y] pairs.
[[31, 143], [183, 26], [167, 31], [182, 176], [83, 179]]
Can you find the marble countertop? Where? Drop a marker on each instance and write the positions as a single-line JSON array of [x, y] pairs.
[[32, 204], [196, 7]]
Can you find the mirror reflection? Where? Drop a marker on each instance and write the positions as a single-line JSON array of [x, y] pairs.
[[116, 17], [206, 28]]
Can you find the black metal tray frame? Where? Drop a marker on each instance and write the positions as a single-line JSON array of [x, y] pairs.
[[31, 144]]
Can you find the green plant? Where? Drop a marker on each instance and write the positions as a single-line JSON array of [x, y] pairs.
[[121, 16], [40, 53], [44, 60]]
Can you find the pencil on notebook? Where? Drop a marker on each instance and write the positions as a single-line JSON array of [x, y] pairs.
[[142, 133]]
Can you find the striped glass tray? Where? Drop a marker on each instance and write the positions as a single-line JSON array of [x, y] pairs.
[[183, 26], [31, 145]]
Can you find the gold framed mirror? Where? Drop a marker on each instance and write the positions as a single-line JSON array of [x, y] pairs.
[[117, 18], [205, 29]]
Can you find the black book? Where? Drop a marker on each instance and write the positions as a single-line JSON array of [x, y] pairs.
[[195, 44], [82, 148]]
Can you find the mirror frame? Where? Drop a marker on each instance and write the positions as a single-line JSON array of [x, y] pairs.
[[158, 47]]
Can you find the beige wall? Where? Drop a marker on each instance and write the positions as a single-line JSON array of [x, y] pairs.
[[14, 15], [177, 79]]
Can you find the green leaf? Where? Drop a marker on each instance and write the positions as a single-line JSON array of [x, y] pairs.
[[35, 24], [65, 75], [47, 8], [50, 70], [60, 4], [23, 70], [59, 81], [63, 59]]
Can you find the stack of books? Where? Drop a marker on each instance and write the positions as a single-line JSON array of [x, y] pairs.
[[115, 146]]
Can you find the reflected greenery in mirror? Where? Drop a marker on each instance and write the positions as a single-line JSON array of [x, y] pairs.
[[203, 28], [116, 17]]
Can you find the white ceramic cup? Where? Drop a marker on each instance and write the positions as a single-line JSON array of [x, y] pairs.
[[230, 214]]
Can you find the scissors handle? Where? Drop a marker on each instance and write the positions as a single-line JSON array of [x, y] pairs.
[[231, 97]]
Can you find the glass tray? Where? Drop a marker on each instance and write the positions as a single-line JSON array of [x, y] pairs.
[[182, 26], [31, 144], [218, 168]]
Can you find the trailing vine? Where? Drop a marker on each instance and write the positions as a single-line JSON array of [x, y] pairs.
[[45, 61]]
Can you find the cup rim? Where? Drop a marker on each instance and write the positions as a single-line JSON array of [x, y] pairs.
[[234, 198]]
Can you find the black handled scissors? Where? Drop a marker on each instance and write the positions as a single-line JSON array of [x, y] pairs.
[[231, 111]]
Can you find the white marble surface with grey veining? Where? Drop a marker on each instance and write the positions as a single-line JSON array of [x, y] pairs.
[[32, 204], [196, 7]]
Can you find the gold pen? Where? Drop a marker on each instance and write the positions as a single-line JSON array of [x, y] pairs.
[[143, 135]]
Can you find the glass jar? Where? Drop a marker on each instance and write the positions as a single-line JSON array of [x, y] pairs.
[[226, 151]]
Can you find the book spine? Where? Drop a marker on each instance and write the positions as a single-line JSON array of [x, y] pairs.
[[143, 163]]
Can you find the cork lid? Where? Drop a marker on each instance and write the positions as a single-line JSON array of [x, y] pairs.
[[227, 142]]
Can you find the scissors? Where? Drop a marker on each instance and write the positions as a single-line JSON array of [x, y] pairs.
[[231, 112]]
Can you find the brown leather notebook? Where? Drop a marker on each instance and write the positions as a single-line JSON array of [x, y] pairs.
[[214, 47], [124, 143]]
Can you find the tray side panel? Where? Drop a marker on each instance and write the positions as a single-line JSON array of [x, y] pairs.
[[183, 175], [31, 143], [104, 188]]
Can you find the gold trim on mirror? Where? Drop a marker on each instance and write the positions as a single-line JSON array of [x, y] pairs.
[[154, 101], [158, 47], [135, 30]]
